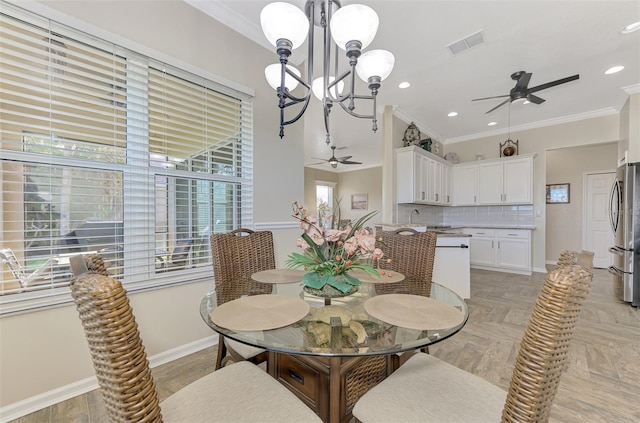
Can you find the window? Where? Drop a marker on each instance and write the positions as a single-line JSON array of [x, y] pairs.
[[106, 150], [325, 202]]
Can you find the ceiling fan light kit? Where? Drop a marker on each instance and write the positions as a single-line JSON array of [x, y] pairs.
[[350, 28]]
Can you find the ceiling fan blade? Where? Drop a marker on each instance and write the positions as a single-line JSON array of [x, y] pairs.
[[489, 98], [349, 162], [344, 158], [318, 158], [523, 81], [553, 83], [499, 105], [535, 99], [315, 164]]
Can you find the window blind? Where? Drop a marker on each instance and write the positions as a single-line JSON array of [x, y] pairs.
[[108, 151]]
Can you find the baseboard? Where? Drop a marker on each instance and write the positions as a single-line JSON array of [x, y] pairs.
[[63, 393]]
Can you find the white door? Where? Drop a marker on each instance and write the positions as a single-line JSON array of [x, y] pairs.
[[598, 236]]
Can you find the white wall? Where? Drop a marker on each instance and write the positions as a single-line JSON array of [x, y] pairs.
[[46, 350], [568, 165]]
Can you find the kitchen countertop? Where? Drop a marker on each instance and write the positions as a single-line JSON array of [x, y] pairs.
[[438, 228]]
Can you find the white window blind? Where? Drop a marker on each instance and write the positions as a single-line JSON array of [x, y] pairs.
[[107, 151]]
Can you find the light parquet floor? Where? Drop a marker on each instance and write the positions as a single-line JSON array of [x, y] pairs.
[[601, 383]]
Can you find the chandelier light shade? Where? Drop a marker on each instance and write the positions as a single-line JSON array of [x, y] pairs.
[[352, 28], [375, 63], [318, 87], [354, 22], [282, 20], [273, 75]]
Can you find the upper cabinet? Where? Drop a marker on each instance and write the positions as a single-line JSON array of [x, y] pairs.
[[422, 177], [494, 182]]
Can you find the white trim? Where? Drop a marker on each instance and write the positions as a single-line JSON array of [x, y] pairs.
[[632, 89], [424, 129], [265, 226], [542, 269], [77, 24], [540, 124], [585, 189], [326, 184], [63, 393]]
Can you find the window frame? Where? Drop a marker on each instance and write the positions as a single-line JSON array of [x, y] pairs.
[[134, 169]]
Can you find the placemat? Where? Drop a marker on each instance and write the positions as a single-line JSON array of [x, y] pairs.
[[259, 312], [276, 276], [413, 311], [366, 277]]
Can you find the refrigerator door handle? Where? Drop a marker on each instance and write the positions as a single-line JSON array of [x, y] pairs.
[[615, 271], [614, 204], [617, 251]]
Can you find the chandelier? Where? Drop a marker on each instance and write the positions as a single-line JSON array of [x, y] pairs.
[[350, 28]]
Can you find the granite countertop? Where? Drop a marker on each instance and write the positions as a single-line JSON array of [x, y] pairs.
[[437, 228], [490, 226]]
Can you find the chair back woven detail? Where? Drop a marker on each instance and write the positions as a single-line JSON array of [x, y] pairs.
[[412, 253], [543, 352], [236, 257], [95, 264], [583, 258], [119, 358]]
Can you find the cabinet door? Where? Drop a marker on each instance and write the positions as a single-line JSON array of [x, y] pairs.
[[446, 185], [465, 180], [424, 177], [518, 181], [482, 251], [513, 254], [490, 177], [436, 194], [407, 177]]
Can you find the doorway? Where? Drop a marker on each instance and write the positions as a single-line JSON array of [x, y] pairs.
[[597, 234]]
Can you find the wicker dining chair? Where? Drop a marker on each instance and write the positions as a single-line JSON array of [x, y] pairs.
[[426, 388], [583, 258], [238, 393], [236, 256], [411, 253]]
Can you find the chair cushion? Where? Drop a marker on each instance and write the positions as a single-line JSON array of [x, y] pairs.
[[245, 351], [427, 389], [241, 392]]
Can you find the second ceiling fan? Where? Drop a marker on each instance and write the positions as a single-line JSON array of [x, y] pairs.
[[522, 92], [333, 160]]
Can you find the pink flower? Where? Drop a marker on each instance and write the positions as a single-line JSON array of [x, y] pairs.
[[367, 243], [302, 244], [333, 235], [377, 254], [350, 246]]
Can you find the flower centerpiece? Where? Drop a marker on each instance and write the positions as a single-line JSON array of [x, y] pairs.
[[330, 253]]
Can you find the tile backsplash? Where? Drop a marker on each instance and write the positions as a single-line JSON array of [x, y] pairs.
[[470, 215]]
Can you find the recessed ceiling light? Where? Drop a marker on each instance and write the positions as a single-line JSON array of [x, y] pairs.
[[404, 84], [630, 28], [492, 123], [452, 114], [614, 69]]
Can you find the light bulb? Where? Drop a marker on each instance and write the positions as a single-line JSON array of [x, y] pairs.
[[284, 20], [354, 22]]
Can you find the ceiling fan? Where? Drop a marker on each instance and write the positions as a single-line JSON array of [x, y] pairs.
[[522, 92], [333, 161]]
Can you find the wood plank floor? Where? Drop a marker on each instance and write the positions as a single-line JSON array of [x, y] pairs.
[[601, 384]]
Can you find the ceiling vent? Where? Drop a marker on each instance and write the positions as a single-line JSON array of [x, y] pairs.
[[466, 43]]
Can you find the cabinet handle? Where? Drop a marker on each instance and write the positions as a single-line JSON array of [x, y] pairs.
[[297, 377], [512, 234], [492, 244], [474, 199], [498, 245], [480, 233], [448, 199], [422, 195], [436, 197]]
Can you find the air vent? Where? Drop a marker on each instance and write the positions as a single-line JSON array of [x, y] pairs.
[[466, 43]]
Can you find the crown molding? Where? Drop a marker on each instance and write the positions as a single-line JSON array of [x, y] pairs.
[[534, 125], [424, 128], [632, 89]]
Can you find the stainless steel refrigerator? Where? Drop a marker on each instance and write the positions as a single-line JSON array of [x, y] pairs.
[[625, 223]]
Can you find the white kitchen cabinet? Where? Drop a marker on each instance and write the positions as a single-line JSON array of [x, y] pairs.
[[451, 264], [421, 177], [465, 185], [503, 250], [508, 181]]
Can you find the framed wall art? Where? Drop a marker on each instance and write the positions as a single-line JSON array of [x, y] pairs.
[[558, 194], [359, 201]]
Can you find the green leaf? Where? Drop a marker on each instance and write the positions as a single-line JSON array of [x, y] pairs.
[[312, 280], [340, 284], [351, 280]]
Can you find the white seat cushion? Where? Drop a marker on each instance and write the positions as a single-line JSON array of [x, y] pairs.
[[244, 350], [427, 389], [241, 392]]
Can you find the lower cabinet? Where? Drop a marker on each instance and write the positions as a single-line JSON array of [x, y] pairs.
[[502, 250]]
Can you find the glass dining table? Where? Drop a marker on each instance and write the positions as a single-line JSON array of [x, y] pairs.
[[330, 355]]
